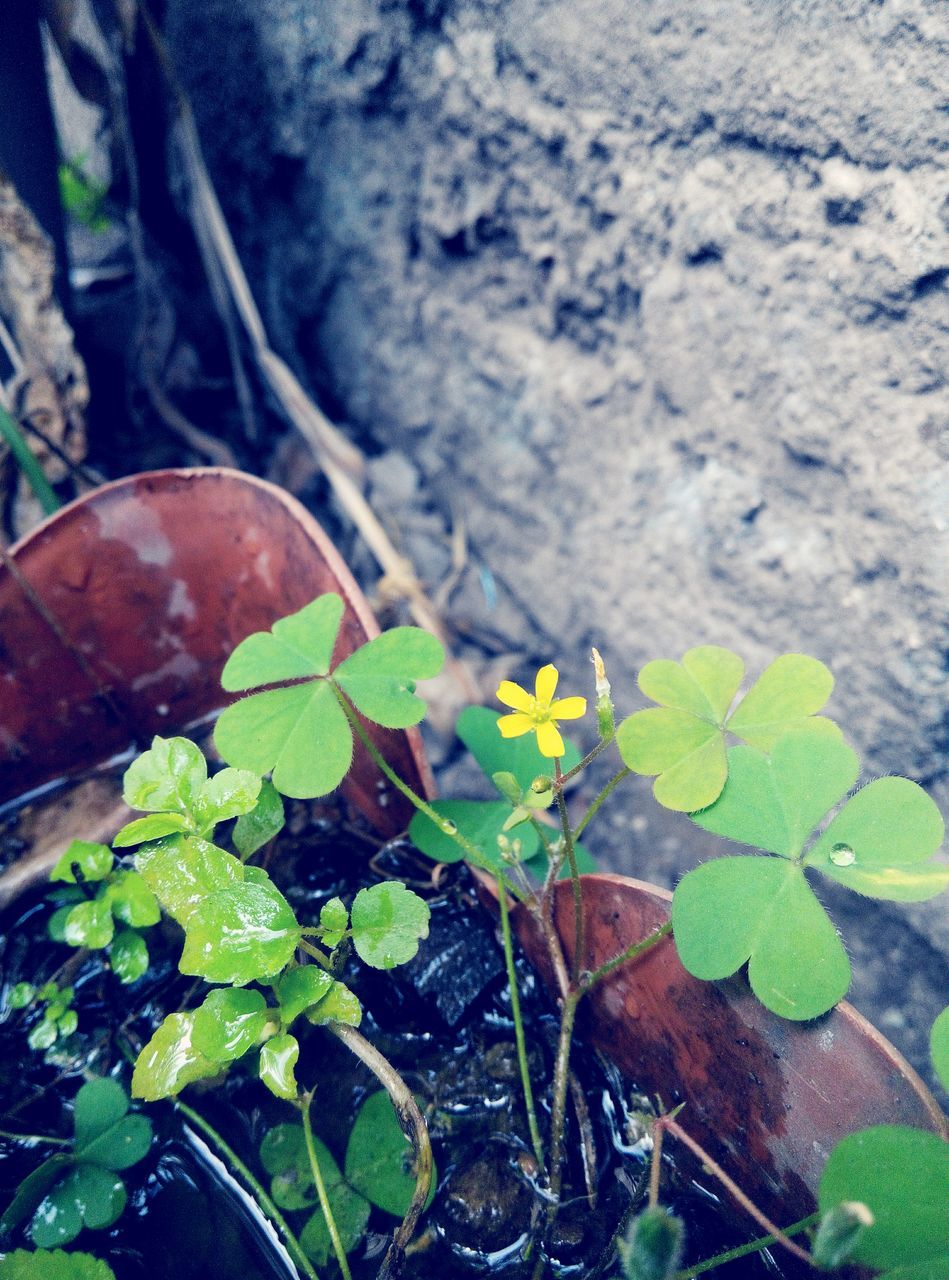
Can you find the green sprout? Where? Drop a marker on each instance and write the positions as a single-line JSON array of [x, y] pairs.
[[58, 1020]]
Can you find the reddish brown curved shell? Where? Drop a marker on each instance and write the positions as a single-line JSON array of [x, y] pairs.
[[148, 584], [767, 1098]]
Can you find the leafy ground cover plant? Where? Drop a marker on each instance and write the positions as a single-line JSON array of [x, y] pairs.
[[767, 770]]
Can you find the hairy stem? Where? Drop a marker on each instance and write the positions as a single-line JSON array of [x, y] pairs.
[[519, 1029], [589, 980], [742, 1250], [413, 1126], [574, 876], [258, 1191], [558, 1109], [561, 779], [304, 1104], [613, 783], [655, 1164]]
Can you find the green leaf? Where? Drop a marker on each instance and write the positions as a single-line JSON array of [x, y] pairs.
[[477, 727], [229, 794], [704, 683], [182, 871], [128, 956], [131, 900], [379, 678], [388, 920], [258, 827], [686, 753], [902, 1175], [350, 1213], [32, 1191], [334, 919], [379, 1157], [89, 1196], [480, 821], [283, 1155], [299, 734], [43, 1265], [299, 989], [784, 696], [105, 1133], [774, 802], [94, 862], [240, 934], [880, 842], [298, 646], [89, 924], [339, 1005], [21, 995], [939, 1047], [166, 778], [228, 1023], [170, 1061], [761, 910], [278, 1058], [153, 827], [44, 1035]]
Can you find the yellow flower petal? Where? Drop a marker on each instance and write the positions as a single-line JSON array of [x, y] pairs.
[[568, 708], [549, 740], [545, 686], [515, 725], [512, 695]]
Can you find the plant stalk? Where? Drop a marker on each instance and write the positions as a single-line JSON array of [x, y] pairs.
[[613, 783], [304, 1104], [35, 1137], [413, 1126], [558, 1110], [592, 754], [522, 1062], [574, 875], [742, 1250], [23, 456], [258, 1190], [589, 980]]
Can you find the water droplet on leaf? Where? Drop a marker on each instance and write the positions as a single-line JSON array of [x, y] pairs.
[[841, 855], [450, 828]]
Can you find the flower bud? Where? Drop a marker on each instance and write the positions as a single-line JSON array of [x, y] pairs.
[[605, 719], [839, 1233], [541, 785], [653, 1246]]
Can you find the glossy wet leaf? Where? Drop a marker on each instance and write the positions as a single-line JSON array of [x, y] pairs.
[[89, 924], [182, 871], [88, 1196], [239, 934], [477, 727], [105, 1133], [32, 1191], [761, 910], [166, 778], [338, 1005], [299, 734], [334, 919], [480, 821], [229, 794], [21, 995], [153, 827], [170, 1061], [128, 956], [44, 1264], [682, 741], [388, 920], [131, 900], [278, 1060], [881, 843], [258, 827], [301, 988], [379, 678], [228, 1023], [93, 861], [295, 647], [939, 1047], [902, 1175], [379, 1157]]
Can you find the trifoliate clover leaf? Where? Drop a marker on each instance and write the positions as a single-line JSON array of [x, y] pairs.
[[299, 989], [338, 1005], [682, 740], [300, 733], [939, 1047], [32, 1191], [902, 1176], [88, 1196], [388, 920], [334, 920], [170, 1060], [56, 1265], [83, 861], [128, 956], [182, 871], [379, 1157], [106, 1134], [479, 821], [278, 1059], [239, 934], [228, 1023], [89, 924], [258, 827]]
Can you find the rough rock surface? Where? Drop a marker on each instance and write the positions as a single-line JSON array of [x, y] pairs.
[[656, 295]]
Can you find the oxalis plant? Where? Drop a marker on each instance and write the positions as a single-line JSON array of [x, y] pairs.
[[766, 770]]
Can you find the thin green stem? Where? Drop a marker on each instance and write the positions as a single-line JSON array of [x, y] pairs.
[[558, 1109], [35, 1137], [26, 461], [258, 1190], [536, 1142], [562, 779], [472, 852], [304, 1104], [742, 1250], [574, 875], [589, 980], [614, 782], [655, 1164], [315, 952]]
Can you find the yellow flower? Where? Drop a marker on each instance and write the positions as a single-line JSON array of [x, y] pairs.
[[538, 711]]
